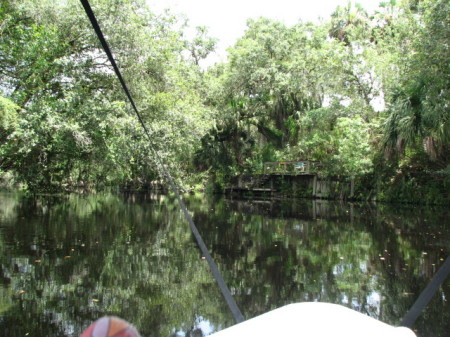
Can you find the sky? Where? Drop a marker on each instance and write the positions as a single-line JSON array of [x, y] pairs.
[[226, 19]]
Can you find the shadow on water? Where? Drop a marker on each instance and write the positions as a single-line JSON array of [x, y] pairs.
[[66, 261]]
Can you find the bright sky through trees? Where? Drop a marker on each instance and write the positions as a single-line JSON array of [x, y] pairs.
[[226, 20]]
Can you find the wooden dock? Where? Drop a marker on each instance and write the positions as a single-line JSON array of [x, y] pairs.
[[248, 190], [290, 185]]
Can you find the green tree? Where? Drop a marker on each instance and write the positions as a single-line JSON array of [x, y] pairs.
[[418, 111], [274, 75], [8, 118], [202, 45], [74, 125], [349, 21]]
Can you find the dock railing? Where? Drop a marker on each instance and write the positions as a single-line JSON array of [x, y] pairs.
[[290, 167]]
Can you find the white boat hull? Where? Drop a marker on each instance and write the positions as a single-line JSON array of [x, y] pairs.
[[313, 319]]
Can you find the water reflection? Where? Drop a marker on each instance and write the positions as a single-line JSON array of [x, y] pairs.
[[373, 259], [65, 261]]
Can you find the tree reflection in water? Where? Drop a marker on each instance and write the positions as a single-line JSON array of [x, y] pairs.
[[65, 261]]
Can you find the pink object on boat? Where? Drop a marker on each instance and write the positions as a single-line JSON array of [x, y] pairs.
[[110, 327]]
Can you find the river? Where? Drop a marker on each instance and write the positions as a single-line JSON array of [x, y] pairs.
[[68, 260]]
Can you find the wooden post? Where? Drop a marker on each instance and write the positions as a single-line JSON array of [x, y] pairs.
[[271, 185], [294, 186], [352, 187], [314, 186]]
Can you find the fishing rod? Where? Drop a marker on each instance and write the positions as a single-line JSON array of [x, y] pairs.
[[426, 295], [162, 169]]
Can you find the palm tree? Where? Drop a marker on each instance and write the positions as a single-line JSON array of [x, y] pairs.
[[345, 19], [419, 114]]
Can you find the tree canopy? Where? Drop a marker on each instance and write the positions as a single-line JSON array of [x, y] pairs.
[[365, 94]]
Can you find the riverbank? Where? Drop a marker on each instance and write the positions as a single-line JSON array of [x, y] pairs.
[[427, 190], [409, 187]]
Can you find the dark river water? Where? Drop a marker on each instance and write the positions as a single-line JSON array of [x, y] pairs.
[[66, 261]]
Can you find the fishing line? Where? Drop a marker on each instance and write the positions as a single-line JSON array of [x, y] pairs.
[[214, 269]]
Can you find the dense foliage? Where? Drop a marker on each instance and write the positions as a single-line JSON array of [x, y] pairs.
[[74, 126], [366, 95]]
